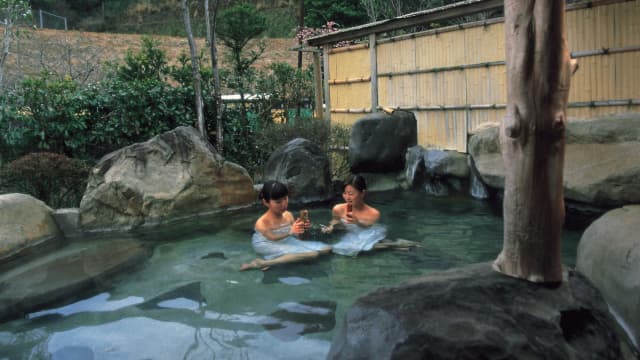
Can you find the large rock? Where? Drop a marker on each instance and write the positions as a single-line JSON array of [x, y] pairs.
[[609, 255], [602, 160], [379, 142], [439, 171], [304, 168], [27, 227], [444, 163], [64, 274], [174, 175], [476, 313]]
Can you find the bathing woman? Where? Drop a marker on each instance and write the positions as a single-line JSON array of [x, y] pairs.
[[276, 232], [360, 221]]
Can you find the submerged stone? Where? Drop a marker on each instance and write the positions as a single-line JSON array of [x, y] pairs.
[[293, 320], [64, 274], [188, 297]]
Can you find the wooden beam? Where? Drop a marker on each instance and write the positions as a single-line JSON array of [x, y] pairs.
[[417, 18]]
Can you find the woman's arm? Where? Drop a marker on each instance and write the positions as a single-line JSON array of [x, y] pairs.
[[335, 219], [297, 228], [365, 218]]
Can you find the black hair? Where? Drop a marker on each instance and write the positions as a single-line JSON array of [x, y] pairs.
[[273, 190], [357, 181]]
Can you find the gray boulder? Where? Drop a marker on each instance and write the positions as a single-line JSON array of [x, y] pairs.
[[444, 163], [602, 160], [174, 175], [477, 313], [304, 168], [414, 171], [609, 255], [27, 228], [439, 171], [484, 148], [61, 274], [379, 142]]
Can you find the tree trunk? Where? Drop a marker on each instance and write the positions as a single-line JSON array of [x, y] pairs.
[[195, 69], [217, 93], [539, 69], [7, 36], [300, 26]]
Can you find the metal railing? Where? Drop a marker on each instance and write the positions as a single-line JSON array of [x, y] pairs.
[[41, 14]]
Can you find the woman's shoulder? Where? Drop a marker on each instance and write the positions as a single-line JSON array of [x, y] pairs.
[[339, 207], [371, 214], [373, 210]]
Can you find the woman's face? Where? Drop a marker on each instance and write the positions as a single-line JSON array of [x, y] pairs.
[[278, 206], [352, 195]]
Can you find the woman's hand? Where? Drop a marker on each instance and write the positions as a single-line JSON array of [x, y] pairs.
[[326, 229], [351, 218], [298, 227]]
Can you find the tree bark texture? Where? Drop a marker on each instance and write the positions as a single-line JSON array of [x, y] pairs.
[[195, 69], [532, 139], [211, 21]]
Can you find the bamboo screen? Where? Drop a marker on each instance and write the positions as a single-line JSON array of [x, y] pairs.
[[454, 80], [350, 84]]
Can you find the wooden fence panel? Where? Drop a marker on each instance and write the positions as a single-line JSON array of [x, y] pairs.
[[484, 43], [350, 86], [442, 129], [463, 70], [441, 50]]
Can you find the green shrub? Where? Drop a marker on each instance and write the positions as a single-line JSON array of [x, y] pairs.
[[56, 179], [252, 151]]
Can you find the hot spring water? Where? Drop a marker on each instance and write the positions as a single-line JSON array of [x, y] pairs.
[[189, 301]]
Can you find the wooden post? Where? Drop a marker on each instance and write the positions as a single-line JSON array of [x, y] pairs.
[[317, 82], [532, 141], [327, 90], [373, 57]]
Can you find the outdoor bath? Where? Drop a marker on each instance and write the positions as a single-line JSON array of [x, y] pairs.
[[189, 301]]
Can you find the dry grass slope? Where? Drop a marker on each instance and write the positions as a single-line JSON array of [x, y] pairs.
[[81, 54]]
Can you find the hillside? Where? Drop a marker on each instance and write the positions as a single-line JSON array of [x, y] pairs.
[[83, 54], [159, 17]]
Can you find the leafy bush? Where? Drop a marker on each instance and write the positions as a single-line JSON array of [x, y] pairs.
[[253, 151], [49, 115], [134, 103], [57, 180]]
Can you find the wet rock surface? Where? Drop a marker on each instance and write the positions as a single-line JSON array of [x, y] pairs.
[[172, 176], [65, 274], [602, 160], [27, 227], [379, 142], [609, 255], [476, 313], [304, 168]]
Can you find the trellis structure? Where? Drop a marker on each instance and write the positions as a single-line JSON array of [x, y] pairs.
[[453, 78]]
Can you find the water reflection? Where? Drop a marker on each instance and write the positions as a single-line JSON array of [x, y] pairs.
[[292, 273], [293, 280], [98, 303], [295, 319], [189, 301], [146, 338], [188, 297]]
